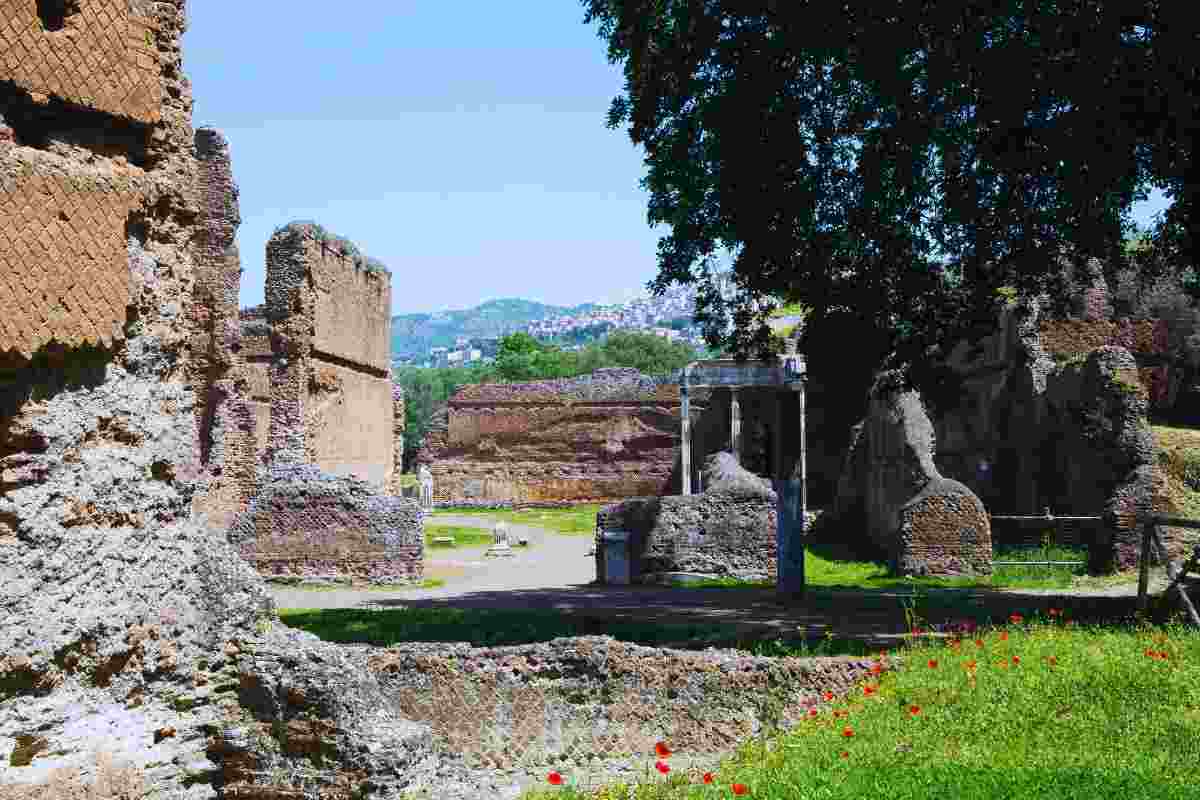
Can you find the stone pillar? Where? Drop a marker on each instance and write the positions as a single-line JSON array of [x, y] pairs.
[[735, 425], [685, 440], [777, 438]]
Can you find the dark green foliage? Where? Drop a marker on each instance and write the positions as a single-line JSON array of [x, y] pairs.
[[899, 162]]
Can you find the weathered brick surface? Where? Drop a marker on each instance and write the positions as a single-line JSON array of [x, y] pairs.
[[891, 493], [331, 389], [104, 57], [307, 524], [48, 219], [581, 704]]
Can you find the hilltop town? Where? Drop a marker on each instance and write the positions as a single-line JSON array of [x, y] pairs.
[[668, 315]]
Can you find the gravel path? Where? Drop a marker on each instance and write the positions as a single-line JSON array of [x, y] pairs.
[[552, 561], [556, 573]]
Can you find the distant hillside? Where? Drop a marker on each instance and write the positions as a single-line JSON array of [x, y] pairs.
[[414, 334]]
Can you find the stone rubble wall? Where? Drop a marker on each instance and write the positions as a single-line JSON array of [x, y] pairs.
[[309, 525], [135, 645], [713, 533], [596, 706], [891, 491]]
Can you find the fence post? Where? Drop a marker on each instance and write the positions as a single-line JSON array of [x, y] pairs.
[[1143, 597]]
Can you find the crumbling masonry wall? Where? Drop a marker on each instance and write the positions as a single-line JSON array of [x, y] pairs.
[[331, 389], [305, 525], [133, 641], [605, 436]]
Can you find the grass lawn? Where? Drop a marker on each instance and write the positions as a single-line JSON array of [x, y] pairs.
[[832, 567], [1179, 455], [1037, 711], [463, 536], [490, 628], [574, 521]]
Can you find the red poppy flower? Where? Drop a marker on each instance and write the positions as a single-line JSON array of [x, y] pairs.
[[1004, 635], [845, 754], [1054, 612], [554, 779], [812, 712], [848, 732], [1151, 654], [868, 690], [661, 750], [979, 642], [1051, 660], [828, 696], [1016, 660], [877, 669], [933, 663], [662, 767], [708, 777], [914, 710], [971, 664], [740, 789], [1016, 619], [1164, 655]]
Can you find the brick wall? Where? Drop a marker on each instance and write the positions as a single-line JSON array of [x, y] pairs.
[[331, 391], [306, 524], [104, 57], [46, 220]]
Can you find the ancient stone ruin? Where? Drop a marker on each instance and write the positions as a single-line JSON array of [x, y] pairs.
[[728, 530], [140, 655], [609, 435]]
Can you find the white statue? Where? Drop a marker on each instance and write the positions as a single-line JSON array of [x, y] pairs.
[[425, 480], [500, 544]]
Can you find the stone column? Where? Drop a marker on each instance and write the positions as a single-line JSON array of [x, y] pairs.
[[735, 425], [685, 440], [777, 438]]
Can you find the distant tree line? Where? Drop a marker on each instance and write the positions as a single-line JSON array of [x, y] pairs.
[[521, 357]]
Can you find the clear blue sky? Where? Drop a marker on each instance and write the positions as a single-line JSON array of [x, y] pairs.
[[462, 143]]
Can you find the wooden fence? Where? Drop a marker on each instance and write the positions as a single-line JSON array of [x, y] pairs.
[[1175, 572]]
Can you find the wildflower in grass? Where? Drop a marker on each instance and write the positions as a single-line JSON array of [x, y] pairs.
[[1052, 660], [1016, 619], [877, 668], [848, 732], [662, 767], [1164, 655], [1151, 654], [708, 777], [740, 789], [828, 696], [1016, 660], [661, 750], [933, 662], [812, 712], [845, 754], [869, 690], [979, 642], [554, 779], [970, 665], [1004, 636], [1054, 612], [914, 710]]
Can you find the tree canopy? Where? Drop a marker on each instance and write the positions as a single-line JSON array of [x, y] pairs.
[[891, 164]]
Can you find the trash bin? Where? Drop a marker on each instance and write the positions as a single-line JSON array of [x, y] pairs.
[[618, 564]]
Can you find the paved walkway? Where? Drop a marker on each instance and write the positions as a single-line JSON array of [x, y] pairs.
[[556, 573]]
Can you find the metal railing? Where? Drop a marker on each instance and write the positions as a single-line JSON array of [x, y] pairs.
[[1043, 521]]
